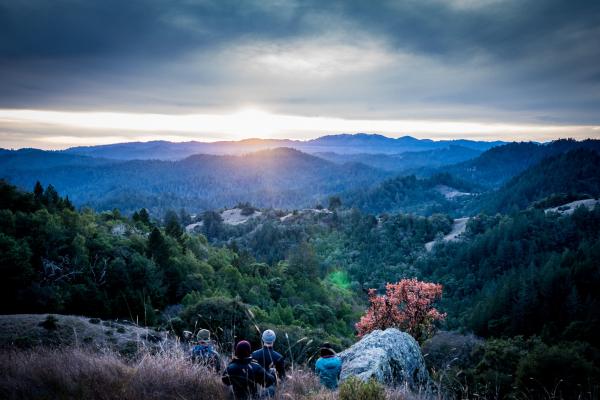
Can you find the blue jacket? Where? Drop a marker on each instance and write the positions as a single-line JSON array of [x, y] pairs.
[[269, 358], [205, 354], [244, 376], [329, 368]]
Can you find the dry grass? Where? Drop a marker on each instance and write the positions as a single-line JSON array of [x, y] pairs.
[[27, 330], [81, 373], [74, 373]]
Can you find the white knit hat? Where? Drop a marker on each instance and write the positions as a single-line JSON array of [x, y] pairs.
[[268, 337]]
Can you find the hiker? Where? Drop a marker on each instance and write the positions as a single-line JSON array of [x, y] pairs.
[[270, 360], [244, 375], [328, 367], [204, 353]]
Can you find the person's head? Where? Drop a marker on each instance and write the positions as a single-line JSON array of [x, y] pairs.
[[268, 338], [326, 350], [243, 349], [203, 335]]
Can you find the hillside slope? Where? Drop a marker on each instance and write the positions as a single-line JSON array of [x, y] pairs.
[[409, 194], [28, 330], [283, 178], [573, 174], [410, 160], [497, 165]]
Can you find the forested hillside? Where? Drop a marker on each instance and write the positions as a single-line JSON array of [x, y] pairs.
[[497, 165], [289, 179], [55, 259], [283, 178], [407, 161], [33, 159], [409, 194], [572, 175], [526, 282], [551, 182]]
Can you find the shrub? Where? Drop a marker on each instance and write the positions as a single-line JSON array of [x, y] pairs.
[[557, 372], [406, 305], [24, 342], [355, 389], [247, 209], [227, 319], [446, 349], [50, 323], [177, 325]]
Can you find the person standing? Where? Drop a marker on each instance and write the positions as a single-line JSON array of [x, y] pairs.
[[270, 360], [267, 357], [328, 367], [204, 353], [244, 375]]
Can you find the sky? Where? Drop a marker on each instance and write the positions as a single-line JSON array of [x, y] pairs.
[[82, 72]]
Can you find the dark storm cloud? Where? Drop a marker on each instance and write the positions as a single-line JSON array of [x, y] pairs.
[[37, 29], [537, 58]]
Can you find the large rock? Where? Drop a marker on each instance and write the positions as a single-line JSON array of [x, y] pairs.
[[392, 357]]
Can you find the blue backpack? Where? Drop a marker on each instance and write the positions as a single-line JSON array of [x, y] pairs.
[[200, 350], [203, 353]]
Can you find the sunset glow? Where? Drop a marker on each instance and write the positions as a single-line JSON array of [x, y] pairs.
[[252, 122]]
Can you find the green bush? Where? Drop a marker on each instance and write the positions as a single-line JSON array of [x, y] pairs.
[[558, 372], [177, 325], [24, 342], [50, 323], [226, 318], [355, 389]]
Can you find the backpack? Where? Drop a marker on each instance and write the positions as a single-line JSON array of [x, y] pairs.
[[202, 353]]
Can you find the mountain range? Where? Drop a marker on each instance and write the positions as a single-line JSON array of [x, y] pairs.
[[341, 144], [445, 177]]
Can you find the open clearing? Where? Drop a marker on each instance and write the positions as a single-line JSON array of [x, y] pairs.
[[458, 227], [570, 207]]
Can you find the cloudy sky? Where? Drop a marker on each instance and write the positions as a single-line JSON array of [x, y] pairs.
[[76, 72]]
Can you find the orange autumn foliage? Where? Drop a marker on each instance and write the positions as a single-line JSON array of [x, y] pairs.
[[406, 305]]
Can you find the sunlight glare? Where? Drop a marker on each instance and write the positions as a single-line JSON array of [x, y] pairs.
[[253, 122]]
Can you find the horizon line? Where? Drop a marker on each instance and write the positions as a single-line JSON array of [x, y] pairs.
[[65, 129], [298, 141]]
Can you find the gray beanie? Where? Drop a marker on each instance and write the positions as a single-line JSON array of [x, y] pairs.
[[268, 337], [203, 334]]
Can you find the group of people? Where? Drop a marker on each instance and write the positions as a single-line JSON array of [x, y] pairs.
[[257, 374]]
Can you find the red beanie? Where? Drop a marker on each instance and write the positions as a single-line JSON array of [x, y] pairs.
[[243, 349]]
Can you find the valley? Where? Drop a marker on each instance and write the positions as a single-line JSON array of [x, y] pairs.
[[289, 241]]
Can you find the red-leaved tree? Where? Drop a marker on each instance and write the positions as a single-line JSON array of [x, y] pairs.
[[406, 305]]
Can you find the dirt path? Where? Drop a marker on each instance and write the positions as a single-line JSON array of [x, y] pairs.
[[458, 227], [569, 208]]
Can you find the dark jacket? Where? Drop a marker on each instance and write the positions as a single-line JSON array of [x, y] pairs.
[[244, 376], [269, 358], [205, 354]]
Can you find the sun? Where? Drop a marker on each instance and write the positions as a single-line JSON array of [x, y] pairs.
[[254, 122]]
